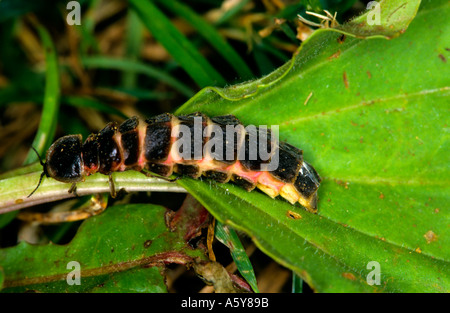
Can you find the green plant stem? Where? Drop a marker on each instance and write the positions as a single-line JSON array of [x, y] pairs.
[[14, 191]]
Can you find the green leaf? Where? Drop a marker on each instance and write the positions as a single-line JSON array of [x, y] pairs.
[[110, 248], [141, 280], [371, 116], [388, 18]]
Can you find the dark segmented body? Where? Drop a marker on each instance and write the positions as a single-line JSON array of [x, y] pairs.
[[149, 144]]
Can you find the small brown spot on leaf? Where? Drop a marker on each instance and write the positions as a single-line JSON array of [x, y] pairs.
[[342, 183], [369, 74], [344, 77], [18, 201], [348, 276], [335, 55], [430, 236], [442, 57], [381, 196], [148, 243], [293, 215], [341, 39]]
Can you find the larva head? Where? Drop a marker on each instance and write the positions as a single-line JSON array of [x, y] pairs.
[[64, 161]]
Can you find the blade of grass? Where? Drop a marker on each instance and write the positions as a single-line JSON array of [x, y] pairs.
[[211, 35], [137, 67], [83, 102], [297, 283], [231, 12], [177, 44], [88, 41], [289, 32], [229, 238], [49, 117], [144, 94], [133, 47]]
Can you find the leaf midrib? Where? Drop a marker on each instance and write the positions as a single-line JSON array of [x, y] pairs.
[[366, 103], [375, 180]]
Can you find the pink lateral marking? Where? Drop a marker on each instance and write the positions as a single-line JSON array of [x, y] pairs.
[[142, 131], [268, 180], [238, 170], [120, 167]]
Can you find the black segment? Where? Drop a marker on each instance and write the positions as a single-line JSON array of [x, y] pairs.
[[232, 130], [90, 152], [64, 161], [129, 124], [157, 142], [290, 160], [255, 138], [160, 169], [130, 147], [162, 118], [196, 139], [226, 120], [307, 181], [109, 154], [220, 177], [243, 182], [192, 171]]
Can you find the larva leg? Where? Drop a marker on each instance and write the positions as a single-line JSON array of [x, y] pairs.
[[112, 186], [73, 189]]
